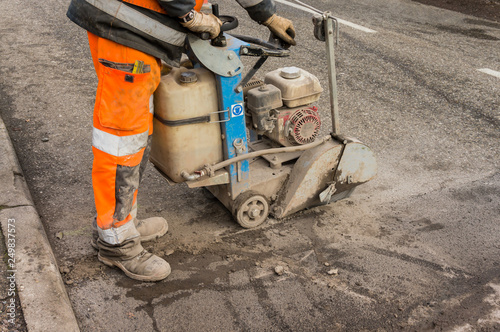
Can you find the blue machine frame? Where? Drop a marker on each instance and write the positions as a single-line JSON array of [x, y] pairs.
[[233, 125]]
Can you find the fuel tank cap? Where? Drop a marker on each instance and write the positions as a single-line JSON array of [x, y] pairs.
[[290, 72]]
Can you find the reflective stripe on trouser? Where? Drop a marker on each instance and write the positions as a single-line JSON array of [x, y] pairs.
[[123, 117]]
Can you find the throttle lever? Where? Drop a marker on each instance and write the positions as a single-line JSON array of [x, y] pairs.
[[278, 42]]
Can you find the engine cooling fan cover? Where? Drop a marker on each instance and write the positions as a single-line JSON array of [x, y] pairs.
[[303, 126]]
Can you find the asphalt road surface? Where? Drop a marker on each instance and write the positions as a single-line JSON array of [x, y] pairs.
[[416, 249]]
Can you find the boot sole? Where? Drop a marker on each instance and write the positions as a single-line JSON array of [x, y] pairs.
[[151, 237], [111, 263]]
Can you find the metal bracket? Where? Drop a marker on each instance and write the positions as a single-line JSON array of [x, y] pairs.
[[219, 60], [220, 177], [239, 147], [221, 112], [319, 26]]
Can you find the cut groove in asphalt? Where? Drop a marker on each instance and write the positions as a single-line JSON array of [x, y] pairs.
[[490, 72], [419, 261], [341, 21]]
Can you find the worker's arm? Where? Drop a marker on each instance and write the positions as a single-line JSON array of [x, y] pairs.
[[177, 8], [259, 10], [264, 12], [190, 19]]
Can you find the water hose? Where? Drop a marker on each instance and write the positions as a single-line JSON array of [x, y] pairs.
[[210, 169]]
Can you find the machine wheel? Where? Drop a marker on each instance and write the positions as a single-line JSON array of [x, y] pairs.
[[251, 211]]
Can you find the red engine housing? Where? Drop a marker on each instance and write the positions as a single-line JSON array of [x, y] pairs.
[[296, 126]]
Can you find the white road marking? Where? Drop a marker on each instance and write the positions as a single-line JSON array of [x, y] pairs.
[[488, 71], [355, 26], [341, 21]]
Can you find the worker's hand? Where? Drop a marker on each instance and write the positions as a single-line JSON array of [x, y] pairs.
[[204, 23], [281, 28]]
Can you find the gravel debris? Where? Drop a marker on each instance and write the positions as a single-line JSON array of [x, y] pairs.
[[333, 272]]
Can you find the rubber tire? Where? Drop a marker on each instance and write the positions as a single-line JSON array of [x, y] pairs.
[[245, 200]]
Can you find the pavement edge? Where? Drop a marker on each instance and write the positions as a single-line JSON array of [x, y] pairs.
[[44, 300]]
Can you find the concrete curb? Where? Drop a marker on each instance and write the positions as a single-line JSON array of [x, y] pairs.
[[43, 297]]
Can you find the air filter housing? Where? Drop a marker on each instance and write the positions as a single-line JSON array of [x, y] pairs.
[[298, 87]]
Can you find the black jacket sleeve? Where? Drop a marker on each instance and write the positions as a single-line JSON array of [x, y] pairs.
[[177, 8], [259, 10]]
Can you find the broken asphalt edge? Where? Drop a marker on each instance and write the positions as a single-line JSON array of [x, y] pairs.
[[44, 300]]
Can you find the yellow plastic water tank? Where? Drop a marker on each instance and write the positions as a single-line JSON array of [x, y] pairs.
[[186, 135]]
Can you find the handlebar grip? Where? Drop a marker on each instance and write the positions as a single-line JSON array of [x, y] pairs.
[[228, 23], [215, 9]]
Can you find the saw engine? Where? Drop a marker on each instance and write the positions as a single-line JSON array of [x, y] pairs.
[[280, 106]]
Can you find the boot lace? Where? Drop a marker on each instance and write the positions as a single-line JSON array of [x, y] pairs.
[[142, 254]]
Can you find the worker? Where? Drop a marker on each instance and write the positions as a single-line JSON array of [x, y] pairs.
[[128, 39]]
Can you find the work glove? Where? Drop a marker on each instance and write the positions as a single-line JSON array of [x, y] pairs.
[[204, 23], [281, 28]]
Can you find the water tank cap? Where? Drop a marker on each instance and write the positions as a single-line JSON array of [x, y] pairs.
[[188, 77]]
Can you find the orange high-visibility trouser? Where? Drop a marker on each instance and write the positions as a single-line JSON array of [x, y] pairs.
[[122, 125]]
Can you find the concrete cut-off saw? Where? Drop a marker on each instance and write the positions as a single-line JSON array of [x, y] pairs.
[[254, 144]]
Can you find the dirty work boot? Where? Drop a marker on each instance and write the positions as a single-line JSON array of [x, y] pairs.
[[143, 267], [121, 247], [150, 229]]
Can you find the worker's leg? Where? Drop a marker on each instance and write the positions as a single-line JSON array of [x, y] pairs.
[[154, 227], [122, 125], [151, 228]]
